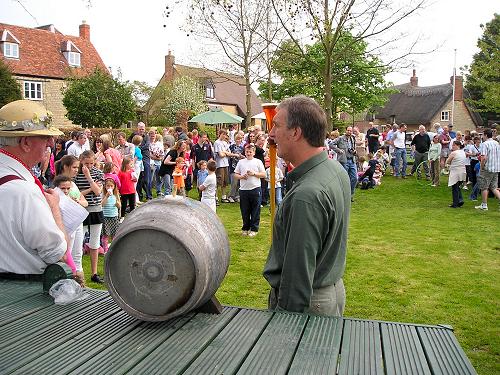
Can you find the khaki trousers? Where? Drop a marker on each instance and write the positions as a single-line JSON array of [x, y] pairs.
[[329, 301]]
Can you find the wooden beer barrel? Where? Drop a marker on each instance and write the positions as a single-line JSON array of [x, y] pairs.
[[168, 257]]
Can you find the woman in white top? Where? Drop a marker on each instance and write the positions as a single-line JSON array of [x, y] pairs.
[[456, 162]]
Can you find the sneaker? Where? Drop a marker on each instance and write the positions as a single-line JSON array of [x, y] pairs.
[[244, 233], [465, 187], [481, 207], [231, 200], [433, 185], [252, 234], [96, 279]]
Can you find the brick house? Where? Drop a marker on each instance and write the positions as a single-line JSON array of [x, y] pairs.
[[223, 90], [415, 105], [41, 58]]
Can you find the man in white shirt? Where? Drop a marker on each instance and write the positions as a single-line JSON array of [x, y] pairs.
[[127, 150], [88, 134], [77, 148], [490, 168], [399, 142], [249, 171], [31, 225]]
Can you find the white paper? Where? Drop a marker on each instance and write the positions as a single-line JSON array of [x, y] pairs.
[[72, 212]]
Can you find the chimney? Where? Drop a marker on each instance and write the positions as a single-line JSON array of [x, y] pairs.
[[414, 79], [169, 66], [459, 88], [85, 31]]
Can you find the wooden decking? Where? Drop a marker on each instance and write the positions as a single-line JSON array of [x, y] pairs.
[[94, 336]]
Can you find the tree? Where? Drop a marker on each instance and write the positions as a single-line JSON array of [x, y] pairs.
[[99, 100], [9, 88], [326, 21], [483, 78], [234, 28], [357, 80], [177, 101]]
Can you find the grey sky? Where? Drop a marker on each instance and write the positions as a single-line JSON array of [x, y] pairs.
[[131, 35]]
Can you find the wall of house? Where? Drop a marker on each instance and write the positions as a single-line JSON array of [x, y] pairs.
[[462, 120], [52, 98]]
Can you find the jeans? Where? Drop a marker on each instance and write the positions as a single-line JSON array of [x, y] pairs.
[[278, 196], [158, 180], [265, 191], [250, 201], [350, 167], [167, 184], [456, 193], [146, 181], [235, 187], [420, 158], [400, 154]]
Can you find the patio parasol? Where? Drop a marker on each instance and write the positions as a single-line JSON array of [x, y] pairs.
[[217, 116]]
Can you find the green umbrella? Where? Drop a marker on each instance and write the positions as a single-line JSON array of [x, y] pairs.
[[217, 116]]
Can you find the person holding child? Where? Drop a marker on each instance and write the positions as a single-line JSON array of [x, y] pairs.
[[249, 171]]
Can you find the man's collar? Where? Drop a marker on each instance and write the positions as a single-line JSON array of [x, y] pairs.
[[307, 165]]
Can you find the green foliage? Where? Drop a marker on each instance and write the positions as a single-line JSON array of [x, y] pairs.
[[357, 78], [182, 94], [483, 79], [141, 91], [9, 88], [99, 100]]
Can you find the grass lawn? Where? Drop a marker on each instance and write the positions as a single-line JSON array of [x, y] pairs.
[[410, 259]]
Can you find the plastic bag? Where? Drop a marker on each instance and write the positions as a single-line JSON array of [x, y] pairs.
[[66, 291]]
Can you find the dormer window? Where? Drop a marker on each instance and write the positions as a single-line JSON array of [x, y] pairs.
[[73, 58], [10, 45], [71, 53], [209, 89], [11, 50]]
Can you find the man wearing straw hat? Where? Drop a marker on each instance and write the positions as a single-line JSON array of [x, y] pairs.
[[31, 226], [306, 261]]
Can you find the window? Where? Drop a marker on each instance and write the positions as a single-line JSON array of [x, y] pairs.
[[210, 91], [445, 115], [73, 58], [33, 90], [11, 50]]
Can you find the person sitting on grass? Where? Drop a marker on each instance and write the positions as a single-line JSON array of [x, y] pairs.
[[249, 171], [208, 185]]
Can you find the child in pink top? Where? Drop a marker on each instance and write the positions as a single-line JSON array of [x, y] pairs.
[[127, 188], [108, 173]]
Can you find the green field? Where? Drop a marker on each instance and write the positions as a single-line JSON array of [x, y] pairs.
[[410, 259]]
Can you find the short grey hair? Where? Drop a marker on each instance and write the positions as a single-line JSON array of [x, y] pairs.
[[9, 141]]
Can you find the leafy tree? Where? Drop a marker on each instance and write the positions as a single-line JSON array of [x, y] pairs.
[[9, 88], [177, 101], [326, 21], [483, 79], [99, 100], [357, 79]]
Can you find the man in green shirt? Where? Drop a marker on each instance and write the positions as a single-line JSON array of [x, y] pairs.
[[306, 261]]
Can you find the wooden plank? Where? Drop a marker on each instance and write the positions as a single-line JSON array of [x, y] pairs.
[[132, 348], [40, 320], [82, 348], [226, 353], [177, 353], [24, 307], [361, 351], [274, 351], [13, 291], [50, 335], [319, 348], [444, 354], [403, 352]]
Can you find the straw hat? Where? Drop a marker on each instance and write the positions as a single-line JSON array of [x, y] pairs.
[[25, 118]]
